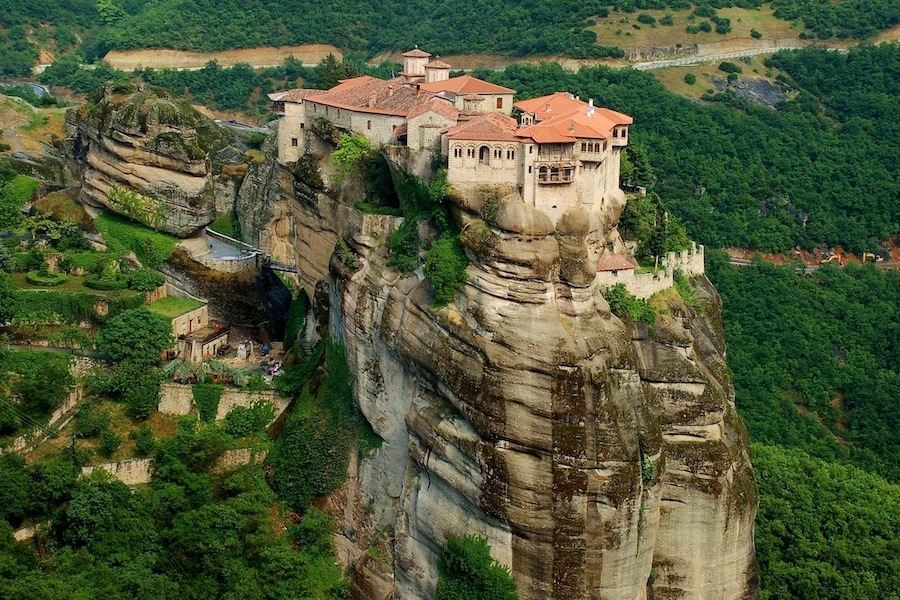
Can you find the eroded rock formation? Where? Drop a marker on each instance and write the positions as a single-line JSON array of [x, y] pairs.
[[602, 460], [143, 154]]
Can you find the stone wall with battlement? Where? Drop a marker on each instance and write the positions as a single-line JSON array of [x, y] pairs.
[[643, 285]]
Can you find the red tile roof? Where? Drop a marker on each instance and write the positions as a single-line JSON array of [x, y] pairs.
[[550, 106], [438, 105], [295, 95], [465, 84], [576, 124], [486, 127], [372, 95], [614, 262], [416, 53], [437, 64]]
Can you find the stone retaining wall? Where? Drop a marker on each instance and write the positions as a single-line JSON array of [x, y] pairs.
[[178, 399], [133, 471]]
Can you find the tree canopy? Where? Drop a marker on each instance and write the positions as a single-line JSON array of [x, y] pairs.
[[137, 336]]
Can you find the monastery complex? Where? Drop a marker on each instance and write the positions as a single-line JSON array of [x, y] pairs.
[[561, 152]]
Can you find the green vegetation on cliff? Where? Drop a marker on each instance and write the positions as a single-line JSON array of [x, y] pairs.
[[467, 572]]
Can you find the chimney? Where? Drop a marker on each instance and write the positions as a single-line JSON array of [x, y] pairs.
[[590, 110], [548, 107], [572, 128]]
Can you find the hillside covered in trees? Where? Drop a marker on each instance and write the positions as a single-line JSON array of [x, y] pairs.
[[494, 26]]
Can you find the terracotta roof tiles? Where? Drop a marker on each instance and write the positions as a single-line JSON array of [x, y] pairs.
[[371, 95], [295, 95], [442, 107], [614, 262], [416, 53], [465, 84], [486, 127]]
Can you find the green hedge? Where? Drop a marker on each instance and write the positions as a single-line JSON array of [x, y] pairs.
[[206, 397], [51, 279], [49, 307], [106, 284]]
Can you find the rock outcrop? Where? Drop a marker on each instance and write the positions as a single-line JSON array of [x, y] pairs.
[[143, 154], [601, 459]]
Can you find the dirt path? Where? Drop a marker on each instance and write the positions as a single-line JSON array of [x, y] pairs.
[[128, 60]]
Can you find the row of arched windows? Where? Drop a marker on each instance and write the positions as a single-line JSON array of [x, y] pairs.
[[485, 154], [593, 146]]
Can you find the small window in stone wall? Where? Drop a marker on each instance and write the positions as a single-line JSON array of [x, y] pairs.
[[368, 124], [294, 142], [499, 102]]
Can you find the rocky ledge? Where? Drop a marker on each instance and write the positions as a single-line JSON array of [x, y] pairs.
[[143, 154]]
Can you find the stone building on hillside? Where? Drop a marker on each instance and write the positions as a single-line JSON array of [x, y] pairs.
[[379, 109], [562, 153]]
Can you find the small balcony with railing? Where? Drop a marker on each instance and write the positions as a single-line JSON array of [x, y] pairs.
[[557, 173]]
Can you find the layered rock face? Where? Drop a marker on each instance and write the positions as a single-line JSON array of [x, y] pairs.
[[601, 460], [145, 155]]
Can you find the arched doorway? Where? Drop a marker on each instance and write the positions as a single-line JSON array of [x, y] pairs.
[[484, 155]]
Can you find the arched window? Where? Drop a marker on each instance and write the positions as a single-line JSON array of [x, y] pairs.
[[484, 155], [543, 173]]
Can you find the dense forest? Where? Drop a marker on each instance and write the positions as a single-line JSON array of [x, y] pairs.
[[813, 358], [494, 26]]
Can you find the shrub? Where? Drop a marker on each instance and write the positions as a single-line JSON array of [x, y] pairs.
[[207, 397], [48, 280], [729, 67], [405, 247], [242, 421], [466, 571], [310, 458], [145, 280], [142, 393], [755, 34], [624, 305], [352, 151], [91, 420], [646, 19], [296, 320], [106, 283], [13, 194], [667, 20], [445, 266], [704, 26], [136, 335], [109, 442], [144, 440], [690, 78]]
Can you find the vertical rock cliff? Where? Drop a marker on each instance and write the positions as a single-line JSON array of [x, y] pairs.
[[601, 459]]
